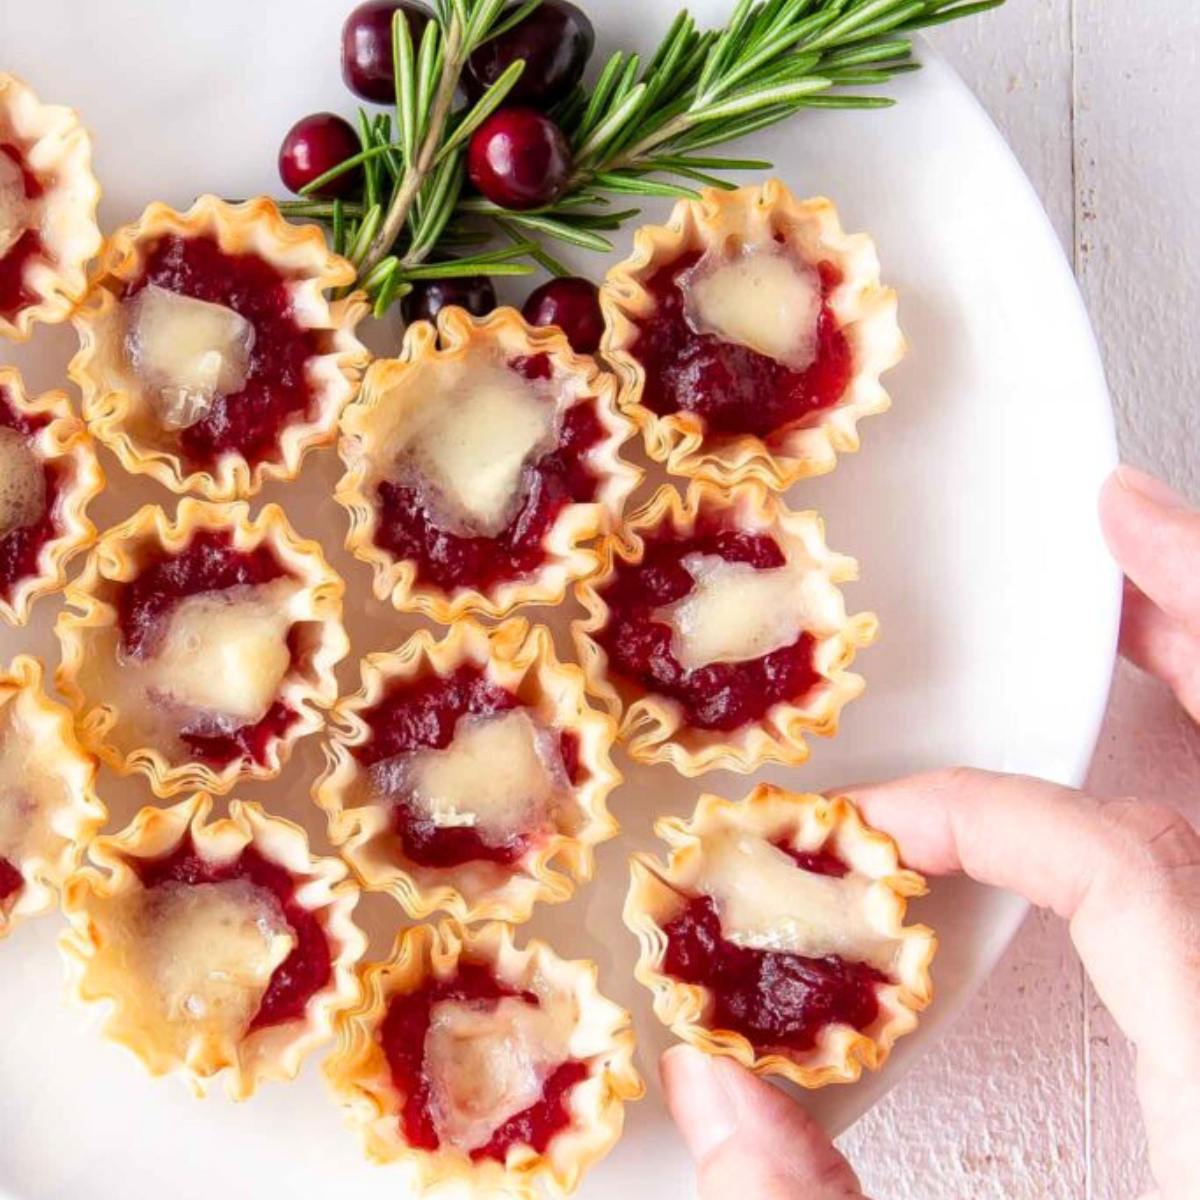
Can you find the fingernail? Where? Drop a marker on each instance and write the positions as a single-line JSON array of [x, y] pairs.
[[700, 1099], [1149, 488]]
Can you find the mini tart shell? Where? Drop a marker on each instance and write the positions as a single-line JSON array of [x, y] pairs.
[[381, 405], [360, 1077], [58, 146], [652, 726], [55, 849], [113, 403], [807, 822], [864, 308], [99, 971], [92, 614], [520, 660], [65, 443]]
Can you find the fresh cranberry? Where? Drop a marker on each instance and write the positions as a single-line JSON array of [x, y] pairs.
[[555, 42], [734, 388], [778, 1001], [573, 304], [402, 1038], [518, 158], [306, 970], [367, 64], [317, 144], [429, 296]]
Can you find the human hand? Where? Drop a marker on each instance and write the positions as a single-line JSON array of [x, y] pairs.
[[1125, 875]]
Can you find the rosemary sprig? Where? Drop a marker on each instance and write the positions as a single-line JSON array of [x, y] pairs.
[[641, 129]]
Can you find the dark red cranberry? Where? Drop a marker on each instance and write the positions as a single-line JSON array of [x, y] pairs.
[[429, 296], [573, 304], [555, 41], [367, 65], [518, 158], [317, 144]]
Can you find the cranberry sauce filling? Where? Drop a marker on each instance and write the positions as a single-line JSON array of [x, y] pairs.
[[277, 389], [818, 862], [209, 563], [402, 1036], [735, 389], [21, 548], [422, 715], [14, 295], [777, 1001], [563, 476], [305, 971], [722, 695], [11, 880]]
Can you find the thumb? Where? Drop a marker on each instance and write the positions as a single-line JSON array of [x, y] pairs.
[[748, 1138]]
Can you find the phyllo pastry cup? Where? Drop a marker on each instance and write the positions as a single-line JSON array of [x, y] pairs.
[[749, 334], [476, 1063], [716, 633], [49, 810], [479, 463], [470, 774], [775, 934], [219, 946], [197, 650], [48, 200], [211, 357], [48, 476]]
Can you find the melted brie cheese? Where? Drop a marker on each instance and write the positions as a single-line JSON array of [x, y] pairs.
[[767, 902], [761, 299], [736, 613], [22, 482], [486, 1063], [212, 949], [469, 455], [14, 207], [30, 787], [188, 352], [225, 654]]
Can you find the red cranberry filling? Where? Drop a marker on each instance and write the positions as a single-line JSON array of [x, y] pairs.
[[14, 295], [777, 1001], [277, 389], [402, 1036], [305, 971], [11, 880], [721, 695], [209, 563], [735, 389], [422, 715], [21, 548], [563, 476], [818, 862]]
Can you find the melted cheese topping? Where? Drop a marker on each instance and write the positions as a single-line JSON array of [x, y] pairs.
[[31, 790], [211, 949], [22, 481], [188, 352], [500, 775], [14, 207], [486, 1063], [469, 454], [736, 613], [767, 902], [225, 655], [761, 299]]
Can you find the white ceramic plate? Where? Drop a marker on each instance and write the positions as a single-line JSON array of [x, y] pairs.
[[971, 509]]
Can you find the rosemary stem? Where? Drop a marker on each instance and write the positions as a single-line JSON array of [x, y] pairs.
[[415, 173]]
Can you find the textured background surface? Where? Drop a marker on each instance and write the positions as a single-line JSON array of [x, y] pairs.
[[1031, 1098]]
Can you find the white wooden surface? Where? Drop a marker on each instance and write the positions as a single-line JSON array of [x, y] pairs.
[[1031, 1098]]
